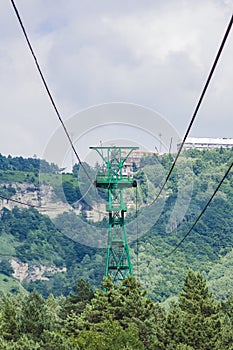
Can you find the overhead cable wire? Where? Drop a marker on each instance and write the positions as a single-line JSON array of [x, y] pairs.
[[47, 89], [20, 202], [8, 199], [202, 212], [197, 107]]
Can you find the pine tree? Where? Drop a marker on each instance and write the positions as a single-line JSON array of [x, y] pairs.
[[51, 340], [227, 321], [109, 335], [24, 343], [173, 334], [77, 302], [10, 324], [200, 323], [34, 315], [127, 305]]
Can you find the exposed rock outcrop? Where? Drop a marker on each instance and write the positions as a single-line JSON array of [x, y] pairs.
[[24, 272]]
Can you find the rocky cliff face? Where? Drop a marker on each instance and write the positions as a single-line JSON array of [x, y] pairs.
[[24, 272], [45, 201], [42, 198]]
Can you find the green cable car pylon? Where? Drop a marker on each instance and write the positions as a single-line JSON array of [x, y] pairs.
[[115, 179]]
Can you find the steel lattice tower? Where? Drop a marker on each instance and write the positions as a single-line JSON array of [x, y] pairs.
[[115, 180]]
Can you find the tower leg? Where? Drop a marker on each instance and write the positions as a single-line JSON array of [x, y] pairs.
[[118, 262]]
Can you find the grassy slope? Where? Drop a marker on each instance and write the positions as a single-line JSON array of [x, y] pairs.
[[10, 285]]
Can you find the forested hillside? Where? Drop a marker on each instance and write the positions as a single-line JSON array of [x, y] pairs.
[[209, 246], [32, 239], [26, 164]]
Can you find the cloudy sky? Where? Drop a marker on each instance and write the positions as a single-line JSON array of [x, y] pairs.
[[155, 54]]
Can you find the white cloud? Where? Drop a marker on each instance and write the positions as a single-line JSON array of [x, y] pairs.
[[157, 54]]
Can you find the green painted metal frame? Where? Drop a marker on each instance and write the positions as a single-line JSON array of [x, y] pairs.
[[118, 263]]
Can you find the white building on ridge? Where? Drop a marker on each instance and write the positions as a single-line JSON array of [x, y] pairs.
[[206, 143]]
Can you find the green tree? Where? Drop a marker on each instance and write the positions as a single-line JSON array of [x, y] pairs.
[[54, 340], [3, 344], [34, 315], [109, 335], [127, 305], [197, 318], [24, 343], [5, 267], [77, 301], [10, 318], [173, 334], [227, 321]]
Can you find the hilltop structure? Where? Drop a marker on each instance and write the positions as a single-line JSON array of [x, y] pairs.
[[201, 143]]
